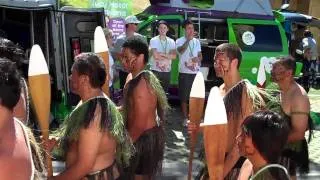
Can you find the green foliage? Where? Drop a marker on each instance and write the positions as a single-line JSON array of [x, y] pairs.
[[74, 3]]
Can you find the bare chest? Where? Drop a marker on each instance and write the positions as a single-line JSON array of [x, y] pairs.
[[286, 103]]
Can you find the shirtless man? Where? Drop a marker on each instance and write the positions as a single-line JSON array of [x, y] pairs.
[[94, 133], [144, 100], [227, 61], [19, 155], [296, 107]]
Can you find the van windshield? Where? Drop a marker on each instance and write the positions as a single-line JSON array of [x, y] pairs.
[[258, 38]]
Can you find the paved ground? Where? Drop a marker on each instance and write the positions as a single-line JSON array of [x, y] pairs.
[[176, 156], [175, 166]]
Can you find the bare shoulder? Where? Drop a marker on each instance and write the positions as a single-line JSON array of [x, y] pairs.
[[143, 88], [222, 89], [299, 94], [299, 100]]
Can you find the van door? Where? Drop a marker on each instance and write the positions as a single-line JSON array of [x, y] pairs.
[[260, 41], [77, 28], [212, 32]]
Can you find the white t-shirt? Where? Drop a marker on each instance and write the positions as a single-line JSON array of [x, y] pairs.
[[162, 46], [111, 63], [185, 59]]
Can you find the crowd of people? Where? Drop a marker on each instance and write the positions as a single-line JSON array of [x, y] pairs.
[[100, 140]]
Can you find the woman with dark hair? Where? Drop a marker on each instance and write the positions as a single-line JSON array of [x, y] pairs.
[[262, 138], [14, 53], [20, 155]]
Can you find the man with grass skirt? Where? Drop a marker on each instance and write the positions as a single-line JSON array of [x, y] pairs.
[[295, 107], [93, 137], [241, 98], [144, 108]]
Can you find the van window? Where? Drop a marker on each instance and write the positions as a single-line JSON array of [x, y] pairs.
[[214, 33], [258, 38]]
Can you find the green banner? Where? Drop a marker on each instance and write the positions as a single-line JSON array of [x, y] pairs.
[[74, 3], [113, 8]]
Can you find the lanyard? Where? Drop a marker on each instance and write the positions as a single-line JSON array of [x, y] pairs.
[[164, 47], [191, 49]]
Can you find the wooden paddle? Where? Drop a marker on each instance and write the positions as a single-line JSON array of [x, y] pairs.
[[196, 103], [40, 90], [215, 134], [101, 48]]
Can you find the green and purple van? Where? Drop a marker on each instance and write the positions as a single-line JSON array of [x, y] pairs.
[[250, 25]]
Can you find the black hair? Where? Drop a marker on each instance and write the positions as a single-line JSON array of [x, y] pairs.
[[11, 51], [92, 65], [232, 51], [187, 22], [307, 33], [163, 22], [10, 87], [288, 62], [269, 132], [137, 47]]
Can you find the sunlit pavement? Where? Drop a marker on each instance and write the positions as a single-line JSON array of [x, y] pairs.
[[175, 164]]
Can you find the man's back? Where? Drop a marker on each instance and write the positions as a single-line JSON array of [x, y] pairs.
[[143, 103], [105, 156]]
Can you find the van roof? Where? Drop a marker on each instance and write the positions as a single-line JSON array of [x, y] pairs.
[[28, 4], [225, 8], [297, 18], [162, 10]]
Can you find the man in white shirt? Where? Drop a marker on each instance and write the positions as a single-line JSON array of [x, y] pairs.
[[131, 28], [163, 51], [189, 51], [309, 42]]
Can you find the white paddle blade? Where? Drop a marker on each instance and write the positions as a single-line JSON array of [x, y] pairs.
[[215, 113], [198, 87], [100, 42], [37, 62]]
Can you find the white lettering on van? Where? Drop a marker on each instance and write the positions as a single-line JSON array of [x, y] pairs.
[[264, 68], [248, 38]]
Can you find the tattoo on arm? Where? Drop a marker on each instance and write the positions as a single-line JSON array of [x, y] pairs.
[[183, 48]]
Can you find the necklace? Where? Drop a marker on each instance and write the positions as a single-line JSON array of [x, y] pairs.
[[191, 49], [164, 46]]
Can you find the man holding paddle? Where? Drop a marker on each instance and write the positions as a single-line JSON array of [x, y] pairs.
[[238, 99]]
